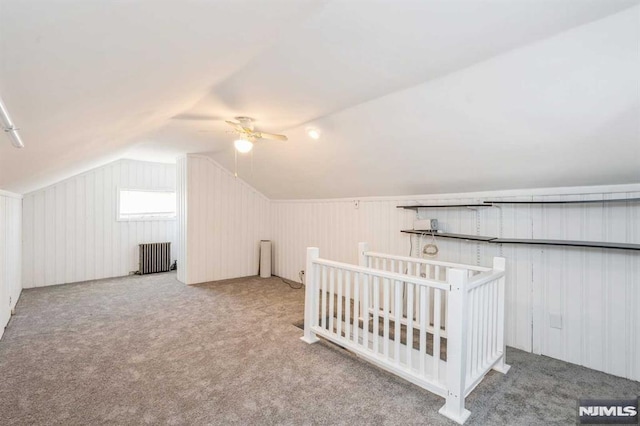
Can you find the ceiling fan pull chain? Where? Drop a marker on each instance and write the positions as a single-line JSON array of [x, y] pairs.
[[235, 160]]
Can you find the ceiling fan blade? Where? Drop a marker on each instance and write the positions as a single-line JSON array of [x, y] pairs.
[[195, 117], [271, 136], [239, 127]]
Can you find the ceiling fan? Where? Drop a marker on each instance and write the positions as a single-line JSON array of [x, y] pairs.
[[249, 135]]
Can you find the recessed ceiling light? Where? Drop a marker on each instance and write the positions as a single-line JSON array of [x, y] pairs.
[[313, 133]]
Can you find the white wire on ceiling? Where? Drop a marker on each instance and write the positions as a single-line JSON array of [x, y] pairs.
[[9, 128]]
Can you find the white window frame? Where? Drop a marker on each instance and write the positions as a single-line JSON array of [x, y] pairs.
[[142, 218]]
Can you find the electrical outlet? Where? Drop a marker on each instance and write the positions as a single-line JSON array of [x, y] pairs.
[[555, 321]]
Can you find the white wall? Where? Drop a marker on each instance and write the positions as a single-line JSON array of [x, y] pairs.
[[10, 254], [222, 225], [71, 232], [594, 290]]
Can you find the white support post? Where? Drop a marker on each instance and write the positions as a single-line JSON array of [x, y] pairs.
[[499, 264], [456, 347], [310, 296]]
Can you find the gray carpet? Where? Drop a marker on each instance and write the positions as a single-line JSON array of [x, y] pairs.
[[151, 350]]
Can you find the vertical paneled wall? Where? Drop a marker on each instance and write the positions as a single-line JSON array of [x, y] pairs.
[[71, 231], [223, 223], [594, 293], [10, 254], [181, 218]]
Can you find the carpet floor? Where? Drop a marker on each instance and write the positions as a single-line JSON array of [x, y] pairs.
[[150, 350]]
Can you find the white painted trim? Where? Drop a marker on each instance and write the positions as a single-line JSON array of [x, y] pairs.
[[572, 190], [4, 193], [228, 172]]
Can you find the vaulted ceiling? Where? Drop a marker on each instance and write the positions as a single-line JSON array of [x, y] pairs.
[[410, 96]]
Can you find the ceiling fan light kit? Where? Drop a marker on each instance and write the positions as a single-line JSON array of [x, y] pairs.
[[248, 135], [243, 146]]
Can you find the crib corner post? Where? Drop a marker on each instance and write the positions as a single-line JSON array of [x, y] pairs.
[[362, 249], [456, 347], [310, 296], [499, 264]]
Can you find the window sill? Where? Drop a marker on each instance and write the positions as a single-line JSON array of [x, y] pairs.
[[145, 219]]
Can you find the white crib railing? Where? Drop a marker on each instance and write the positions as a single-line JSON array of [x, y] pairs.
[[430, 269], [366, 310]]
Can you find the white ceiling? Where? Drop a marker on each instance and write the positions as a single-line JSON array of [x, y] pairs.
[[411, 97]]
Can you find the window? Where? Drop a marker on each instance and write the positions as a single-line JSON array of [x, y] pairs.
[[139, 204]]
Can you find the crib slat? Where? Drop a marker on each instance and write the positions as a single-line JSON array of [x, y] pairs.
[[365, 312], [317, 307], [356, 305], [413, 270], [410, 290], [376, 314], [392, 304], [491, 323], [347, 305], [427, 311], [483, 328], [494, 316], [476, 327], [487, 323], [377, 266], [443, 320], [386, 300], [483, 334], [436, 332], [323, 315], [339, 307], [332, 293], [398, 317], [423, 328]]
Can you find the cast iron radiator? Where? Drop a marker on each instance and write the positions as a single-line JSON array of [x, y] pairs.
[[155, 257]]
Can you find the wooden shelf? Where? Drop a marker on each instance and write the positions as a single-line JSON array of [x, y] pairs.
[[569, 243], [440, 206], [616, 200], [455, 236], [490, 203], [495, 240]]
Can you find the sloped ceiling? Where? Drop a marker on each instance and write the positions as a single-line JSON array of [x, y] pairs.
[[411, 97]]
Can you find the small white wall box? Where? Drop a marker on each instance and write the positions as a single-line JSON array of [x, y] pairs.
[[425, 225]]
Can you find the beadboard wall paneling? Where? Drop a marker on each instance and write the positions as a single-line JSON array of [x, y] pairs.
[[71, 231], [225, 219], [593, 291], [181, 218], [10, 254]]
